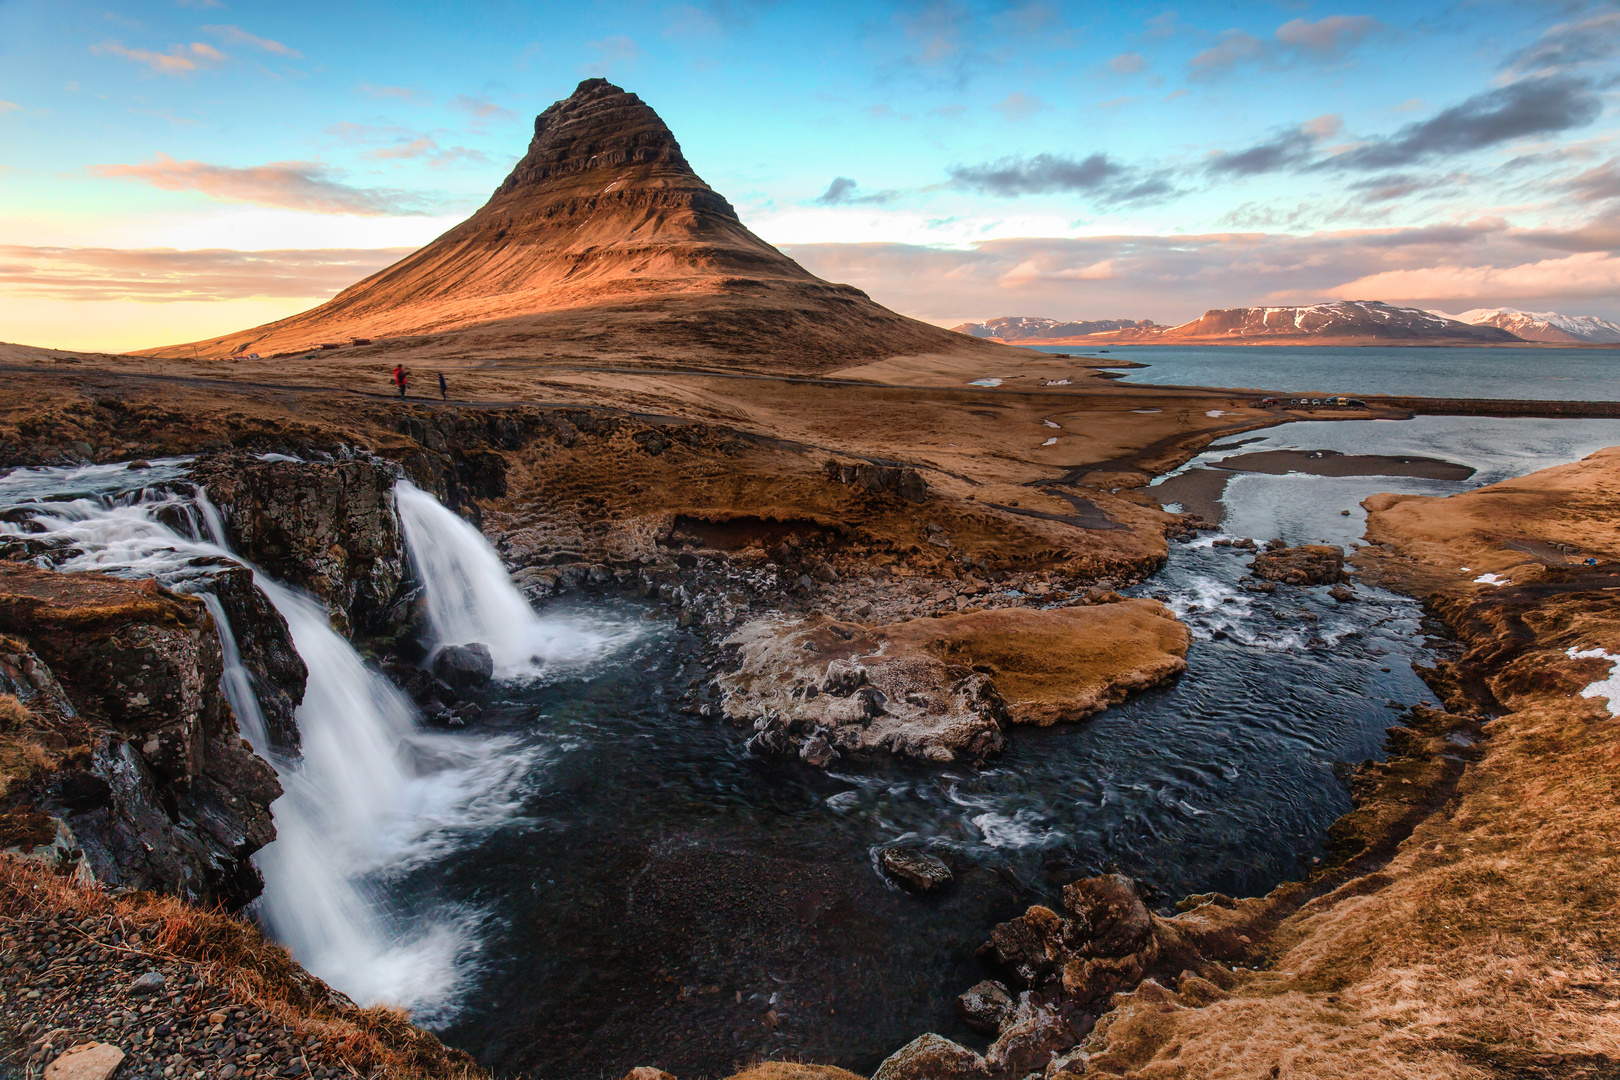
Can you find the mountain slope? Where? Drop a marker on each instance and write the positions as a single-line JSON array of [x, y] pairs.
[[1544, 325], [602, 243]]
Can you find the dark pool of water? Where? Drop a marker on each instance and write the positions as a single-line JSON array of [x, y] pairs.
[[666, 898]]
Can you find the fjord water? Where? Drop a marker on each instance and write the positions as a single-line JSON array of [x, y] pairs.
[[1542, 374]]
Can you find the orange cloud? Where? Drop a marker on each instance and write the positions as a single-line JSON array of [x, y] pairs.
[[235, 35], [179, 60], [165, 275], [1592, 273], [293, 185]]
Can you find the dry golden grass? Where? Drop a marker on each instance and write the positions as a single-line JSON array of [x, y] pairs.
[[21, 758]]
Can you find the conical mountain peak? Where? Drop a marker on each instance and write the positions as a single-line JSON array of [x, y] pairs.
[[602, 239]]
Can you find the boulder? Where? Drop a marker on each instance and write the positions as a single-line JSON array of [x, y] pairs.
[[985, 1007], [87, 1061], [1030, 1038], [463, 666], [932, 1057], [915, 870]]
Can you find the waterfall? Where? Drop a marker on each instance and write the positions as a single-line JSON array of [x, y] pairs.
[[371, 796], [469, 597]]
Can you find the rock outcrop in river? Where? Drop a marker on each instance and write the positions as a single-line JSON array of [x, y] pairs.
[[942, 689]]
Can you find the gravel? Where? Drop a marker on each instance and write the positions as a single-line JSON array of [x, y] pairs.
[[69, 980]]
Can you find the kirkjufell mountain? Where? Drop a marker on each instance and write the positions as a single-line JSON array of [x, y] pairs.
[[603, 243]]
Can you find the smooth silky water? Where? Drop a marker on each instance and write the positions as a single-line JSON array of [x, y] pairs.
[[630, 886]]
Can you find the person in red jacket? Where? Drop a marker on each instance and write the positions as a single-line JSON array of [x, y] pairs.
[[400, 378]]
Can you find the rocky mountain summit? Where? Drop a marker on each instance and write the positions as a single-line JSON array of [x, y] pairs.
[[602, 236]]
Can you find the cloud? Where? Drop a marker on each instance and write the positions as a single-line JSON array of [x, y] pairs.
[[1097, 176], [1018, 106], [1597, 183], [1568, 46], [1292, 148], [417, 147], [716, 17], [200, 3], [1331, 36], [235, 35], [398, 93], [480, 109], [1234, 47], [1128, 63], [615, 52], [841, 192], [1288, 150], [949, 112], [1541, 106], [179, 60], [1593, 273], [1177, 277], [164, 275], [9, 106], [937, 30], [292, 185]]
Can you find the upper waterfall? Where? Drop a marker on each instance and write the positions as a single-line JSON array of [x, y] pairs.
[[469, 597]]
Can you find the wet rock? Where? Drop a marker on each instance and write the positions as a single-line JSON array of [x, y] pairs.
[[1029, 1039], [1342, 594], [843, 678], [817, 751], [1108, 915], [463, 666], [932, 1057], [985, 1007], [138, 464], [647, 1072], [92, 1061], [164, 794], [915, 870], [275, 670], [1307, 564], [329, 527]]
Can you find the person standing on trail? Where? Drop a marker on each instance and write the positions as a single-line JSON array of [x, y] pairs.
[[444, 388], [400, 378]]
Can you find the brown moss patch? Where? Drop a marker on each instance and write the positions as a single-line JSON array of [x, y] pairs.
[[1061, 664]]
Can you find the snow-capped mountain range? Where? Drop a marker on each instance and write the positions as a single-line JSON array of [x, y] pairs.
[[1346, 322], [1543, 325]]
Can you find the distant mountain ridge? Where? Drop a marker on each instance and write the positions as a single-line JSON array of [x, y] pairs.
[[1340, 322], [1544, 325], [1027, 327]]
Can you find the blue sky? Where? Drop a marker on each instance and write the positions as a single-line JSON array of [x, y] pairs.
[[170, 169]]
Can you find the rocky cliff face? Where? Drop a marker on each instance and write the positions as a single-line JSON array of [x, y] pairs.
[[329, 527], [143, 761]]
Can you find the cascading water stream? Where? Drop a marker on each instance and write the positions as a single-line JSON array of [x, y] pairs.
[[469, 597], [372, 795]]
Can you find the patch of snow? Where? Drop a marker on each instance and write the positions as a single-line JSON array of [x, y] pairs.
[[1216, 412], [1049, 423], [1604, 688], [1492, 579], [985, 382], [1059, 382], [1050, 441]]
